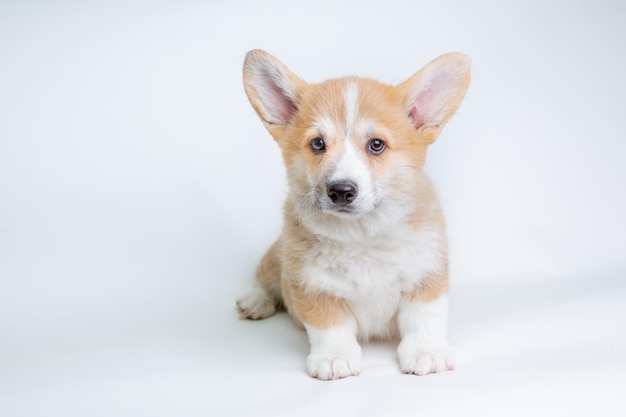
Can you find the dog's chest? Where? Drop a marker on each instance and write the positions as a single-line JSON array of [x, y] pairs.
[[370, 274]]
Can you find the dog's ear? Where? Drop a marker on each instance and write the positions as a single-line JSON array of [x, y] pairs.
[[273, 90], [435, 92]]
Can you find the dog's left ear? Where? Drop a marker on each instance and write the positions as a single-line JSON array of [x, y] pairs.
[[435, 92]]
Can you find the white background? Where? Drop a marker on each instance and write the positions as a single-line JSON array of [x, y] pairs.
[[138, 190]]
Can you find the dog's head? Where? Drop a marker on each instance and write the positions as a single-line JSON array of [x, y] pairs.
[[352, 144]]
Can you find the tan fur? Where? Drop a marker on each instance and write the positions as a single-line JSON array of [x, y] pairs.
[[430, 288], [317, 309]]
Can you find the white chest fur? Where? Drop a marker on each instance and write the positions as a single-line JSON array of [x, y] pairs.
[[371, 273]]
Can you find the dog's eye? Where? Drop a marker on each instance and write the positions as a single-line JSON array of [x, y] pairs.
[[376, 146], [317, 145]]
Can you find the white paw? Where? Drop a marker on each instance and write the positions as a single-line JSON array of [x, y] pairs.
[[256, 304], [425, 361], [326, 367]]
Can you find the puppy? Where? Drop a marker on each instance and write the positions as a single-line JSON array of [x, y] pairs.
[[363, 250]]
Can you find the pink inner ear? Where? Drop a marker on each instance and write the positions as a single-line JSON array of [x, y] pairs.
[[279, 103], [282, 104], [423, 108], [428, 103], [418, 119]]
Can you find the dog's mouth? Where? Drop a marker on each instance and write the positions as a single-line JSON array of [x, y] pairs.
[[328, 207], [344, 210]]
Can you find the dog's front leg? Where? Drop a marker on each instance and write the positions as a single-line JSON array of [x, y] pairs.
[[423, 326], [335, 352], [332, 330]]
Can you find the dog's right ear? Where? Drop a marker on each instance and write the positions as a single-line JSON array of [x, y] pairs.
[[273, 90]]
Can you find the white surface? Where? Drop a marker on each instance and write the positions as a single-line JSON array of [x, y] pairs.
[[138, 191]]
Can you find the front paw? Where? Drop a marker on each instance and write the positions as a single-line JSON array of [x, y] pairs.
[[328, 366], [425, 361]]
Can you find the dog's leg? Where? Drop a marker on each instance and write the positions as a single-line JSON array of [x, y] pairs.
[[335, 352], [423, 327], [332, 330], [262, 298]]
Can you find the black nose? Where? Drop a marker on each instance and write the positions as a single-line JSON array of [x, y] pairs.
[[342, 193]]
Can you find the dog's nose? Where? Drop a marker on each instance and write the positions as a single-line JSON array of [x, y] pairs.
[[342, 193]]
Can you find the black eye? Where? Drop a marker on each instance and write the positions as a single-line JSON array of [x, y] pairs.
[[317, 145], [376, 146]]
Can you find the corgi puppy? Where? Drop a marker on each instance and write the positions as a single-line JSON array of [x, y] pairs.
[[363, 250]]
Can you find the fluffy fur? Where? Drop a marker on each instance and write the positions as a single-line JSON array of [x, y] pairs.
[[363, 251]]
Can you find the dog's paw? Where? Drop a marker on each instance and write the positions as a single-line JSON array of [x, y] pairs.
[[326, 367], [425, 361], [256, 304]]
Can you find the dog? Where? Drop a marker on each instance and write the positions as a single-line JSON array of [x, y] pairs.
[[363, 250]]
